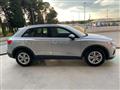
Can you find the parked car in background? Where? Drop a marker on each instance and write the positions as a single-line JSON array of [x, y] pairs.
[[59, 41]]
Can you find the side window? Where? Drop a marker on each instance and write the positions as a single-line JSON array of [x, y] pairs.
[[45, 32], [62, 31], [36, 32], [59, 32], [29, 33]]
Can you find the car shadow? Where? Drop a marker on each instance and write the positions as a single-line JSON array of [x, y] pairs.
[[68, 62]]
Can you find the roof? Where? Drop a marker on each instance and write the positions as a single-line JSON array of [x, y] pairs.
[[45, 25]]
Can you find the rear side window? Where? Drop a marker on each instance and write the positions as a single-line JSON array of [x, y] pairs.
[[36, 32]]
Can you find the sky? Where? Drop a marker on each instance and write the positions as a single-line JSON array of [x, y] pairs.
[[71, 10]]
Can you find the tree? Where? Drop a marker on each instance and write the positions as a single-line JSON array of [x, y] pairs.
[[51, 16], [32, 8], [37, 11], [13, 13], [16, 18], [3, 27], [3, 8]]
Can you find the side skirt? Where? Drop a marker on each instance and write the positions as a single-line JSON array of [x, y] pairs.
[[55, 57]]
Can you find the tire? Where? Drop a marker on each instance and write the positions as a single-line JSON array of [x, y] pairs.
[[23, 58], [94, 57]]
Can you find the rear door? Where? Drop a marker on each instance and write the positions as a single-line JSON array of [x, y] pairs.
[[38, 40]]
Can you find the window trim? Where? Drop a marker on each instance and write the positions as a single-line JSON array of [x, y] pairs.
[[49, 31]]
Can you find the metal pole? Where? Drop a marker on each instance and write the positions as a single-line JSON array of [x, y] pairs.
[[89, 16], [107, 17], [84, 10], [84, 15], [107, 13]]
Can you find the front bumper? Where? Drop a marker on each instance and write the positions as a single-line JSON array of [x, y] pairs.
[[112, 53]]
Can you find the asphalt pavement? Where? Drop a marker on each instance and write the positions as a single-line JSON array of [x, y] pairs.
[[59, 74]]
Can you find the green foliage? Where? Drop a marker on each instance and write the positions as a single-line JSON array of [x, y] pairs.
[[16, 18], [3, 28], [37, 12], [4, 3]]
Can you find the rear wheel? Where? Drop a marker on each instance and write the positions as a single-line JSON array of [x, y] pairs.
[[95, 57], [23, 58]]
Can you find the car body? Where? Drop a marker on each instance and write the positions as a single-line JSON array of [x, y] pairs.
[[58, 40]]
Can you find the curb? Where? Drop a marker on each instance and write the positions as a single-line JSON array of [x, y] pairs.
[[3, 54], [117, 47]]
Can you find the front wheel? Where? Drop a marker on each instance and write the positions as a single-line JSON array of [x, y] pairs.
[[23, 58], [95, 57]]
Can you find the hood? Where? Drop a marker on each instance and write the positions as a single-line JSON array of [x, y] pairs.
[[97, 37]]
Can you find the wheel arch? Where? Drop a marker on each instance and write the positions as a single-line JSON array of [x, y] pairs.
[[96, 46], [17, 49]]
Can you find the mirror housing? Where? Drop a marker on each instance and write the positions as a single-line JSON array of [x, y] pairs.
[[72, 36]]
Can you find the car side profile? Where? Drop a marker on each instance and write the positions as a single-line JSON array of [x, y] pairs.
[[59, 41]]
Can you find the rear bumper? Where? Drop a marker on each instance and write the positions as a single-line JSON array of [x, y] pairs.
[[10, 55]]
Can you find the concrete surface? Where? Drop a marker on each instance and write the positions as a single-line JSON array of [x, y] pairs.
[[3, 48], [64, 74]]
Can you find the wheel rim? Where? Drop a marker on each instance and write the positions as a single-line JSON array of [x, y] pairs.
[[95, 57], [23, 58]]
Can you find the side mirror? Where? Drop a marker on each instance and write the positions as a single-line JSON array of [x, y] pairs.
[[72, 36]]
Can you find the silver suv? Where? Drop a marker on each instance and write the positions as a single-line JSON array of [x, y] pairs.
[[59, 41]]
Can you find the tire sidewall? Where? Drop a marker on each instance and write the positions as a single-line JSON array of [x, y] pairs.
[[91, 50]]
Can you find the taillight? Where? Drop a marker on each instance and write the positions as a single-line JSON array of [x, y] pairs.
[[9, 42]]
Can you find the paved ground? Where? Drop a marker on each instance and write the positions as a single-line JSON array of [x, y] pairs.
[[63, 74], [3, 48]]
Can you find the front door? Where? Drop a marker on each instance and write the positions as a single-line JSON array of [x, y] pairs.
[[62, 44]]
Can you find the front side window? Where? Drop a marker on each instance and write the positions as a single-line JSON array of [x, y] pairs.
[[36, 32], [59, 32]]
